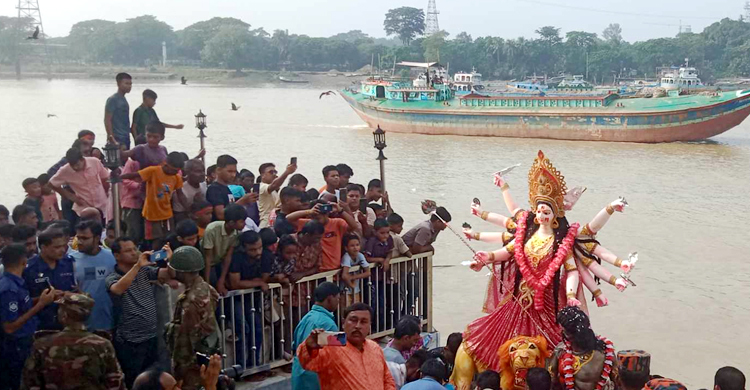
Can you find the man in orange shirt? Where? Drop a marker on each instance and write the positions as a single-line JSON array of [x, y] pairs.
[[335, 230], [161, 183], [358, 365]]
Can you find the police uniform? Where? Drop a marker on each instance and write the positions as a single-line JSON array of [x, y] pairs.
[[39, 277], [193, 329], [73, 358], [15, 301]]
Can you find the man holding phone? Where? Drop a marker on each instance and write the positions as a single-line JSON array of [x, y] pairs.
[[357, 365], [268, 192], [134, 302]]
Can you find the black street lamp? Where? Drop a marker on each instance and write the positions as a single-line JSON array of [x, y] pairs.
[[113, 162], [200, 124], [379, 136]]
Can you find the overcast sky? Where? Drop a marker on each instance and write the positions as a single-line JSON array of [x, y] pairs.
[[640, 19]]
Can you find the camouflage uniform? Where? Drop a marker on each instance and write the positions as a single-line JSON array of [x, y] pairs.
[[72, 358], [193, 329]]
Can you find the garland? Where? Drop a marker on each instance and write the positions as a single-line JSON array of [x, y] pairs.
[[539, 285], [567, 361]]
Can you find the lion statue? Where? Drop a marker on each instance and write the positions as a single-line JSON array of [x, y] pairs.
[[516, 356]]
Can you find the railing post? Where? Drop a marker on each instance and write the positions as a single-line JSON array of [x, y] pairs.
[[428, 265]]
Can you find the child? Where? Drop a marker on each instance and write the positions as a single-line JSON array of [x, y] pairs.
[[396, 224], [286, 260], [33, 196], [145, 114], [353, 257], [268, 236], [380, 212], [50, 208], [152, 153], [201, 213], [109, 235], [379, 247], [4, 215], [161, 183], [186, 234]]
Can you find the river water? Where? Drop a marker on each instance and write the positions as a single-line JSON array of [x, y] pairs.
[[688, 217]]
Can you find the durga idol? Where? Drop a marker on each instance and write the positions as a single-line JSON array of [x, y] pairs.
[[540, 265]]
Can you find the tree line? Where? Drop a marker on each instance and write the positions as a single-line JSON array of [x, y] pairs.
[[720, 50]]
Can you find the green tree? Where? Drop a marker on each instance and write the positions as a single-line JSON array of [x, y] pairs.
[[140, 40], [193, 38], [613, 33], [433, 44], [93, 40], [229, 48], [13, 32], [405, 22], [578, 44]]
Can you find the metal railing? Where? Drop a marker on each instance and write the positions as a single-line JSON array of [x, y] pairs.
[[257, 327]]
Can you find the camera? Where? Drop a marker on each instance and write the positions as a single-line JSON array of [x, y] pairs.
[[227, 377], [325, 208]]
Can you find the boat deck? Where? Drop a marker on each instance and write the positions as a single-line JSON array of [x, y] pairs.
[[619, 106]]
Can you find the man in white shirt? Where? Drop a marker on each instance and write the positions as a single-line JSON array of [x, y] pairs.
[[270, 183], [408, 372]]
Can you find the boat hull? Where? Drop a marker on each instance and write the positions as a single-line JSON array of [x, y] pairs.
[[650, 127]]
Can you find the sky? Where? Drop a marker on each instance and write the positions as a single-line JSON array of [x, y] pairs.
[[640, 19]]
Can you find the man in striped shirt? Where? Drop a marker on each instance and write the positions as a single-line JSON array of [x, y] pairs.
[[132, 289]]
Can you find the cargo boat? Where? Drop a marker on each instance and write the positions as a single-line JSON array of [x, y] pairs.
[[399, 106]]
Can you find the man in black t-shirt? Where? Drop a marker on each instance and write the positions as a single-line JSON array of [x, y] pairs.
[[218, 193], [249, 269], [291, 201]]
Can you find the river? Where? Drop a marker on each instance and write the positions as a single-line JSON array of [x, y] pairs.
[[688, 218]]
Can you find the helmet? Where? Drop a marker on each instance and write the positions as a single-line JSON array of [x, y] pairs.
[[187, 259]]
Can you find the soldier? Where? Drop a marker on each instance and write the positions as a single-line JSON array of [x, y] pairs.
[[193, 327], [72, 358]]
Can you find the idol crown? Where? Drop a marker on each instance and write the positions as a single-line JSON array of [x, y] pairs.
[[547, 184]]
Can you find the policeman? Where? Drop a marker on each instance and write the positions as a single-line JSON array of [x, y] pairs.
[[50, 268], [193, 327], [17, 315], [72, 358]]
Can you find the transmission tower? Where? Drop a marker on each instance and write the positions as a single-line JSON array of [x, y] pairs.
[[30, 9], [431, 21]]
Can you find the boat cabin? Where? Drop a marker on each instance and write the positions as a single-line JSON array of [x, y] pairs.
[[524, 102]]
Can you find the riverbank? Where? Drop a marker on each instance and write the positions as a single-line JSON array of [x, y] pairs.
[[244, 78]]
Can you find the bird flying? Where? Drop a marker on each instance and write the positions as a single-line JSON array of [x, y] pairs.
[[35, 35], [51, 116], [234, 107], [329, 93]]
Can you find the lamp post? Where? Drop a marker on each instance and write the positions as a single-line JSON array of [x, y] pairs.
[[379, 136], [200, 124], [112, 161]]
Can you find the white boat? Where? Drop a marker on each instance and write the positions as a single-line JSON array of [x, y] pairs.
[[674, 78], [467, 82]]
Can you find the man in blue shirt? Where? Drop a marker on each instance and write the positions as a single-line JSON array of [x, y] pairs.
[[17, 316], [320, 317], [92, 266], [433, 376], [51, 268], [117, 112]]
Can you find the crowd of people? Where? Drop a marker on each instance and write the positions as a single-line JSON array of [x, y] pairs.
[[228, 229], [80, 306]]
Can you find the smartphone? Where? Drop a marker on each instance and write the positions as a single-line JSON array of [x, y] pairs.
[[342, 194], [325, 208], [202, 359], [159, 257], [256, 188], [332, 339], [294, 161]]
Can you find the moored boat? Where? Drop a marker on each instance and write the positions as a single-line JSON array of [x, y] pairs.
[[434, 109]]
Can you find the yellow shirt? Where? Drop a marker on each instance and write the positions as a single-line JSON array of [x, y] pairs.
[[159, 190]]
